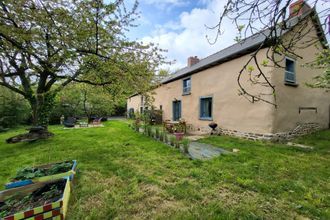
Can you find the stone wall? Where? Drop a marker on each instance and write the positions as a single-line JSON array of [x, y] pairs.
[[300, 130]]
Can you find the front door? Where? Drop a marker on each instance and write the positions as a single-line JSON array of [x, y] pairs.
[[176, 110]]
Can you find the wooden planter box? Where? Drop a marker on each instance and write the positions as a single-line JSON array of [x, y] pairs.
[[55, 210], [20, 183]]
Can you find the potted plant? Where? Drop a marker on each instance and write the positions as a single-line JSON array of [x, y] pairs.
[[179, 130]]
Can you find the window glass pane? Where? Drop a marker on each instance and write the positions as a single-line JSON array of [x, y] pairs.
[[289, 65], [289, 77], [186, 83], [206, 108]]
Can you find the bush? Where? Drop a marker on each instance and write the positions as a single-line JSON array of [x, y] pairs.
[[177, 143], [145, 130], [137, 127], [78, 100], [157, 132], [172, 140], [14, 109], [149, 128], [165, 138], [185, 142], [153, 116], [161, 136], [152, 134]]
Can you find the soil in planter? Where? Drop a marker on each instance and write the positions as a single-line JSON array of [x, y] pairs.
[[33, 172], [49, 193]]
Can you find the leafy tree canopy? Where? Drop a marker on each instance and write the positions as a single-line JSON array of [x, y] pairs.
[[47, 44]]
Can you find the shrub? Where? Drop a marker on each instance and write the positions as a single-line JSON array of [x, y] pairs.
[[172, 140], [137, 127], [157, 132], [165, 138], [152, 134], [161, 136], [185, 143], [145, 129], [177, 143], [14, 109], [149, 131]]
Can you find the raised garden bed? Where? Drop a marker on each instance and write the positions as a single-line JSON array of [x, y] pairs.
[[43, 173], [44, 200]]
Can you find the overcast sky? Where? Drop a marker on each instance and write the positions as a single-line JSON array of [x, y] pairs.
[[179, 27]]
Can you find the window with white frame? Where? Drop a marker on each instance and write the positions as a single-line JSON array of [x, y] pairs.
[[290, 71], [187, 86]]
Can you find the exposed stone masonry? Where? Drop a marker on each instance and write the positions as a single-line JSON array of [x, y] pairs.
[[299, 130]]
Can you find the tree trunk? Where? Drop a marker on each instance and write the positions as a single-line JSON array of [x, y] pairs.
[[42, 105]]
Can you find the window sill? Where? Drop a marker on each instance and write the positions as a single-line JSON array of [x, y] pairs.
[[291, 84], [187, 93], [206, 119]]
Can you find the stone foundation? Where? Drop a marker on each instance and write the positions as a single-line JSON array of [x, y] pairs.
[[300, 130]]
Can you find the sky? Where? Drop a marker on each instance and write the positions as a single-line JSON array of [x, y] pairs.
[[179, 26]]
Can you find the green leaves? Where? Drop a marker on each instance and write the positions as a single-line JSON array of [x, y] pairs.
[[31, 172], [250, 69], [322, 62], [46, 45]]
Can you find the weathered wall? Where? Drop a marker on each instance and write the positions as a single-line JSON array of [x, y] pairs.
[[230, 110], [135, 103], [237, 116], [289, 98]]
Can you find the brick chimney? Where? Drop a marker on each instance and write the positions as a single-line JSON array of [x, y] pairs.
[[298, 8], [192, 61]]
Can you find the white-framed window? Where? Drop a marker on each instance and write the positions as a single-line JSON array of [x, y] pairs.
[[290, 71], [186, 86]]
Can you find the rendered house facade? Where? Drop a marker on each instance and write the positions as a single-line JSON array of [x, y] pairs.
[[206, 90]]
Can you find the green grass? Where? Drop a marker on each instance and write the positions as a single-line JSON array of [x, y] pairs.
[[124, 175]]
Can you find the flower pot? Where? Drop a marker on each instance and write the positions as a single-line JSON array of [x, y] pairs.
[[55, 209], [179, 135], [70, 174]]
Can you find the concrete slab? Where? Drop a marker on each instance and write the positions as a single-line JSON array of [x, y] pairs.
[[203, 151]]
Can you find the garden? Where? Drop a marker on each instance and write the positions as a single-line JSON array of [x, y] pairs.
[[167, 133], [125, 174], [72, 64]]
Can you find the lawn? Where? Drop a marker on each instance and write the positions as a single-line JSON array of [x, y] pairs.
[[125, 175]]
